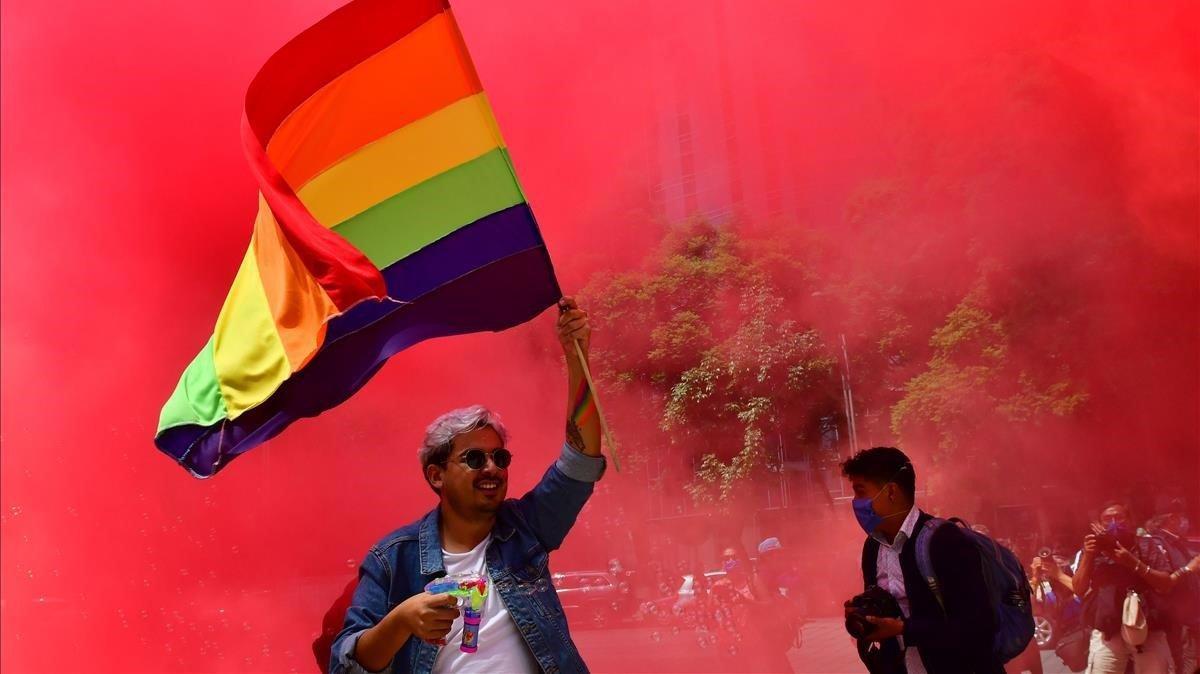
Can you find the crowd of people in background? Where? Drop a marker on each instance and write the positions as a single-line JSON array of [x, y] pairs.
[[746, 615], [1079, 588], [749, 608], [1129, 596]]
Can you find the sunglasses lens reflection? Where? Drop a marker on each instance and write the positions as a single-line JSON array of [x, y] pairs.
[[476, 459]]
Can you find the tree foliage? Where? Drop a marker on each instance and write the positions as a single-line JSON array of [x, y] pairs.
[[715, 352], [973, 379]]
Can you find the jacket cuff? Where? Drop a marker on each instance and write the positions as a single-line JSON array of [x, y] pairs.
[[579, 466], [344, 662]]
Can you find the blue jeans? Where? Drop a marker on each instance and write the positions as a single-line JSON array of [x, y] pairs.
[[526, 530]]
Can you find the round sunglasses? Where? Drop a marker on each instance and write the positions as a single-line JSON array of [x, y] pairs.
[[476, 459]]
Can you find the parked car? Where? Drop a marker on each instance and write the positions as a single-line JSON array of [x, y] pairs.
[[1045, 634], [592, 599]]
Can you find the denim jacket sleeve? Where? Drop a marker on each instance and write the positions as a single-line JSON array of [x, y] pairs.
[[552, 506], [369, 606]]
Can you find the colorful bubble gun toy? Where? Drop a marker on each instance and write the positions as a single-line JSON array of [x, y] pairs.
[[470, 589]]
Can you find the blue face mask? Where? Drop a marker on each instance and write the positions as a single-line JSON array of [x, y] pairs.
[[867, 518], [730, 565], [1118, 530]]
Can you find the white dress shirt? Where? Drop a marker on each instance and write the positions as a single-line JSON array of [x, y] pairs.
[[889, 576]]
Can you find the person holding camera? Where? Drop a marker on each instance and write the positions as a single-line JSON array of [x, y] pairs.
[[898, 620], [1117, 567], [1049, 575]]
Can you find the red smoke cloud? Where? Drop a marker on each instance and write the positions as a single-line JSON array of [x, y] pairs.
[[127, 205]]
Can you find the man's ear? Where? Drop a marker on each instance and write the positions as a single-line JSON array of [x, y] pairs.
[[433, 475]]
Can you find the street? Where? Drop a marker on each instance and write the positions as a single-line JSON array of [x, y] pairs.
[[826, 650]]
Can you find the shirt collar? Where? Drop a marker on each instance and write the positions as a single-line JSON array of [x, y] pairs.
[[906, 530], [429, 538]]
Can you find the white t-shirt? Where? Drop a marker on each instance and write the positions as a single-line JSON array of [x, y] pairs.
[[501, 647]]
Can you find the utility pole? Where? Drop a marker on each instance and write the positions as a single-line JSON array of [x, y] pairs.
[[848, 398], [784, 501]]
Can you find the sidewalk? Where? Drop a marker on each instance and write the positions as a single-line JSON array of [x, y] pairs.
[[828, 650]]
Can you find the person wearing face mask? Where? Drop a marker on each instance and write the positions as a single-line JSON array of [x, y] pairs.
[[1113, 562], [956, 639], [755, 613], [1181, 608], [740, 580], [784, 584]]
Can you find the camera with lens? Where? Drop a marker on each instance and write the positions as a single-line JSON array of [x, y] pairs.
[[875, 602], [1106, 542]]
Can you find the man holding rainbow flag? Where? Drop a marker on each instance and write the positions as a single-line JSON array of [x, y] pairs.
[[389, 212], [475, 531]]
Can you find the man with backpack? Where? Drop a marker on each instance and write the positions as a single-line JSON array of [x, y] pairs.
[[964, 600]]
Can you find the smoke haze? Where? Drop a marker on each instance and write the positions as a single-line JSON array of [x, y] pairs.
[[1037, 164]]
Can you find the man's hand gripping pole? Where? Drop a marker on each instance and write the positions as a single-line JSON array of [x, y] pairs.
[[587, 375]]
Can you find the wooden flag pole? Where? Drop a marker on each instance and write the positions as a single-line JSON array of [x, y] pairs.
[[587, 374]]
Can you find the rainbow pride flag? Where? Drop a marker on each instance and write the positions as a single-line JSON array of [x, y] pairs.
[[389, 213]]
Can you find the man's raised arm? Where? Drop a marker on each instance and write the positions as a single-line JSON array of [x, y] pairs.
[[583, 420], [552, 506]]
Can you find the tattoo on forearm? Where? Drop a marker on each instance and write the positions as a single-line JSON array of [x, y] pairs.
[[581, 412], [574, 437]]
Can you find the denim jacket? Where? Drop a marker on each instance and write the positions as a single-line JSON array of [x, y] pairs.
[[526, 530]]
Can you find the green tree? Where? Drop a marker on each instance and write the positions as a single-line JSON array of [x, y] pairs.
[[977, 394], [706, 354]]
